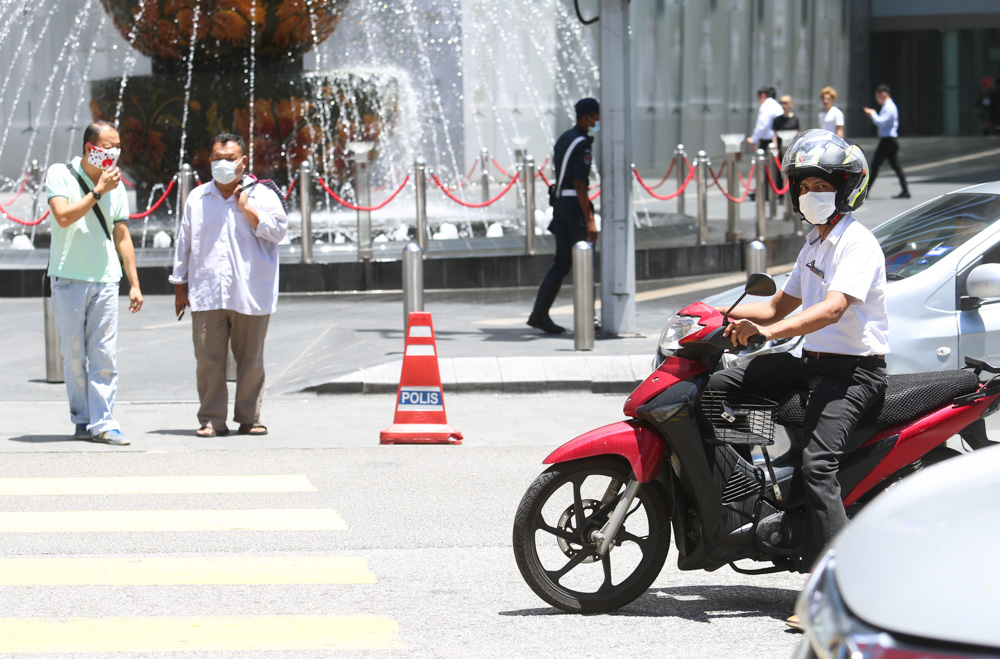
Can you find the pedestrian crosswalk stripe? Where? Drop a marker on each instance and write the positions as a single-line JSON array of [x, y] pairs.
[[198, 634], [155, 485], [181, 570], [123, 521]]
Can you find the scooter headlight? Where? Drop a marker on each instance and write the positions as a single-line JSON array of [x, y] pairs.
[[678, 327]]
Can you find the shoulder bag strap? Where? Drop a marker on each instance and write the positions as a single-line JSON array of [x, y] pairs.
[[97, 209], [565, 162]]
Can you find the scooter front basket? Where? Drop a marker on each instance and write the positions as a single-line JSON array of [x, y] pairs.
[[740, 419]]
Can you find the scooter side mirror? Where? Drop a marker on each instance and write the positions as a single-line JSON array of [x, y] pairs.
[[760, 284]]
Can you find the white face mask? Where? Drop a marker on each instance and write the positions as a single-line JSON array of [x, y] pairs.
[[103, 158], [224, 171], [818, 207]]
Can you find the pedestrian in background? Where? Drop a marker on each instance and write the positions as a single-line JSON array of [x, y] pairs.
[[887, 122], [572, 212], [89, 208], [767, 111], [226, 270], [830, 117], [787, 121]]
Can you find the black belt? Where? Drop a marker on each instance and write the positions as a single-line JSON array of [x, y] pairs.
[[826, 355]]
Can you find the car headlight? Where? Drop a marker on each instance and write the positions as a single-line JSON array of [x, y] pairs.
[[677, 328]]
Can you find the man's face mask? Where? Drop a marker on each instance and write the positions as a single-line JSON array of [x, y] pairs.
[[103, 158], [818, 207], [224, 171]]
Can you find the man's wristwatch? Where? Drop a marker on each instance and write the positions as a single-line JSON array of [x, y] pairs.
[[97, 195]]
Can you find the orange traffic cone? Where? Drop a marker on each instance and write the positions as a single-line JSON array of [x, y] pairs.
[[420, 416]]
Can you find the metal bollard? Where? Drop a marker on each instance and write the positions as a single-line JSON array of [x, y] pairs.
[[679, 158], [484, 163], [413, 281], [761, 189], [35, 176], [420, 174], [363, 195], [583, 296], [756, 257], [772, 155], [53, 349], [528, 170], [701, 173], [734, 231], [305, 204], [185, 182]]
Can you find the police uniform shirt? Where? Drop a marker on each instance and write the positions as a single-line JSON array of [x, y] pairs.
[[849, 261], [578, 167]]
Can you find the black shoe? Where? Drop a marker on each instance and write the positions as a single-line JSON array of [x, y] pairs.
[[546, 325], [902, 195]]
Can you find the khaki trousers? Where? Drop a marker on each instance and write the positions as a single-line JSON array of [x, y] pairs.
[[213, 331]]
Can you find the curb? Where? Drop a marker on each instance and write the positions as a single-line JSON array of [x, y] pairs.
[[597, 374]]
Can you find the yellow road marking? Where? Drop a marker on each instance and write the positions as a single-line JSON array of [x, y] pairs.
[[198, 634], [155, 485], [111, 521], [214, 570]]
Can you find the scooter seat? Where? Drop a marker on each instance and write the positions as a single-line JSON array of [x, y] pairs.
[[908, 396]]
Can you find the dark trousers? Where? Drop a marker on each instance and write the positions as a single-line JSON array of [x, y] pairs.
[[769, 163], [888, 149], [568, 227], [842, 389]]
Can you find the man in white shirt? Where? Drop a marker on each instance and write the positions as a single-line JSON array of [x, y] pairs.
[[830, 117], [226, 270], [763, 131], [839, 280], [887, 122]]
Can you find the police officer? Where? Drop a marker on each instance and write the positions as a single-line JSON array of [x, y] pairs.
[[573, 214]]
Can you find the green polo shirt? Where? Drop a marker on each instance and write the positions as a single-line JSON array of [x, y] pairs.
[[82, 250]]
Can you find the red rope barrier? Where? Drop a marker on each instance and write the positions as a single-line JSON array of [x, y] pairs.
[[149, 211], [595, 195], [501, 169], [672, 194], [746, 183], [542, 175], [24, 183], [438, 183], [3, 211], [665, 176], [363, 208], [291, 186], [128, 183], [464, 180], [771, 181], [746, 190]]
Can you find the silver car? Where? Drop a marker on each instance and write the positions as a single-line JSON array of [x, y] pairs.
[[911, 577], [943, 268]]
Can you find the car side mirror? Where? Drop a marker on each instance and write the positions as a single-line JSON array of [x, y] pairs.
[[982, 286], [760, 284]]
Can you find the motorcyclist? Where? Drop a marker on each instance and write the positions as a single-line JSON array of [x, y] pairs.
[[839, 280]]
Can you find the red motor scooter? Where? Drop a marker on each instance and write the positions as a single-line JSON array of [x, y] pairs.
[[593, 530]]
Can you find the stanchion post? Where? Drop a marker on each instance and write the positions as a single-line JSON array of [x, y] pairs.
[[734, 143], [772, 155], [528, 172], [583, 296], [701, 173], [761, 190], [363, 195], [305, 204], [53, 349], [185, 183], [35, 176], [420, 175], [484, 163], [679, 158], [413, 281]]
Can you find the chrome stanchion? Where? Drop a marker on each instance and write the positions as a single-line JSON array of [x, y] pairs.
[[363, 195], [53, 349], [420, 175], [185, 183], [701, 173], [583, 296], [756, 257], [679, 158], [484, 162], [528, 172], [305, 204], [772, 155], [733, 142], [761, 189], [413, 281]]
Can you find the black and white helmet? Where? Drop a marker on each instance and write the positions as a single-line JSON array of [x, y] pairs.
[[827, 156]]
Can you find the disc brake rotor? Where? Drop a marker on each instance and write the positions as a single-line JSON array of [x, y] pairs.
[[566, 521]]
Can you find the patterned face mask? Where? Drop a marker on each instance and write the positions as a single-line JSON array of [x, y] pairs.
[[103, 158]]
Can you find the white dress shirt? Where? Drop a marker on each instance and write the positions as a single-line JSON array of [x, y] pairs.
[[225, 262], [851, 262], [887, 120], [768, 111]]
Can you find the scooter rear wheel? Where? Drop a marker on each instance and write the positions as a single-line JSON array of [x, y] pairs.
[[553, 541]]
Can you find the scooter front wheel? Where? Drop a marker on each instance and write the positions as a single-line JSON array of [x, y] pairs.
[[554, 541]]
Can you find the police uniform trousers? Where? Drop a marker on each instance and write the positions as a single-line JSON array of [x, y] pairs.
[[842, 389], [213, 332], [569, 227]]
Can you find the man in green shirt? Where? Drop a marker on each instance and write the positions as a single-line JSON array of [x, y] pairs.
[[89, 212]]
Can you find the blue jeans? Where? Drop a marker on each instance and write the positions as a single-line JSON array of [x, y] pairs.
[[87, 321]]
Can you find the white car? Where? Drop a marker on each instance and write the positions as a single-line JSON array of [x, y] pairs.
[[943, 269], [911, 577]]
